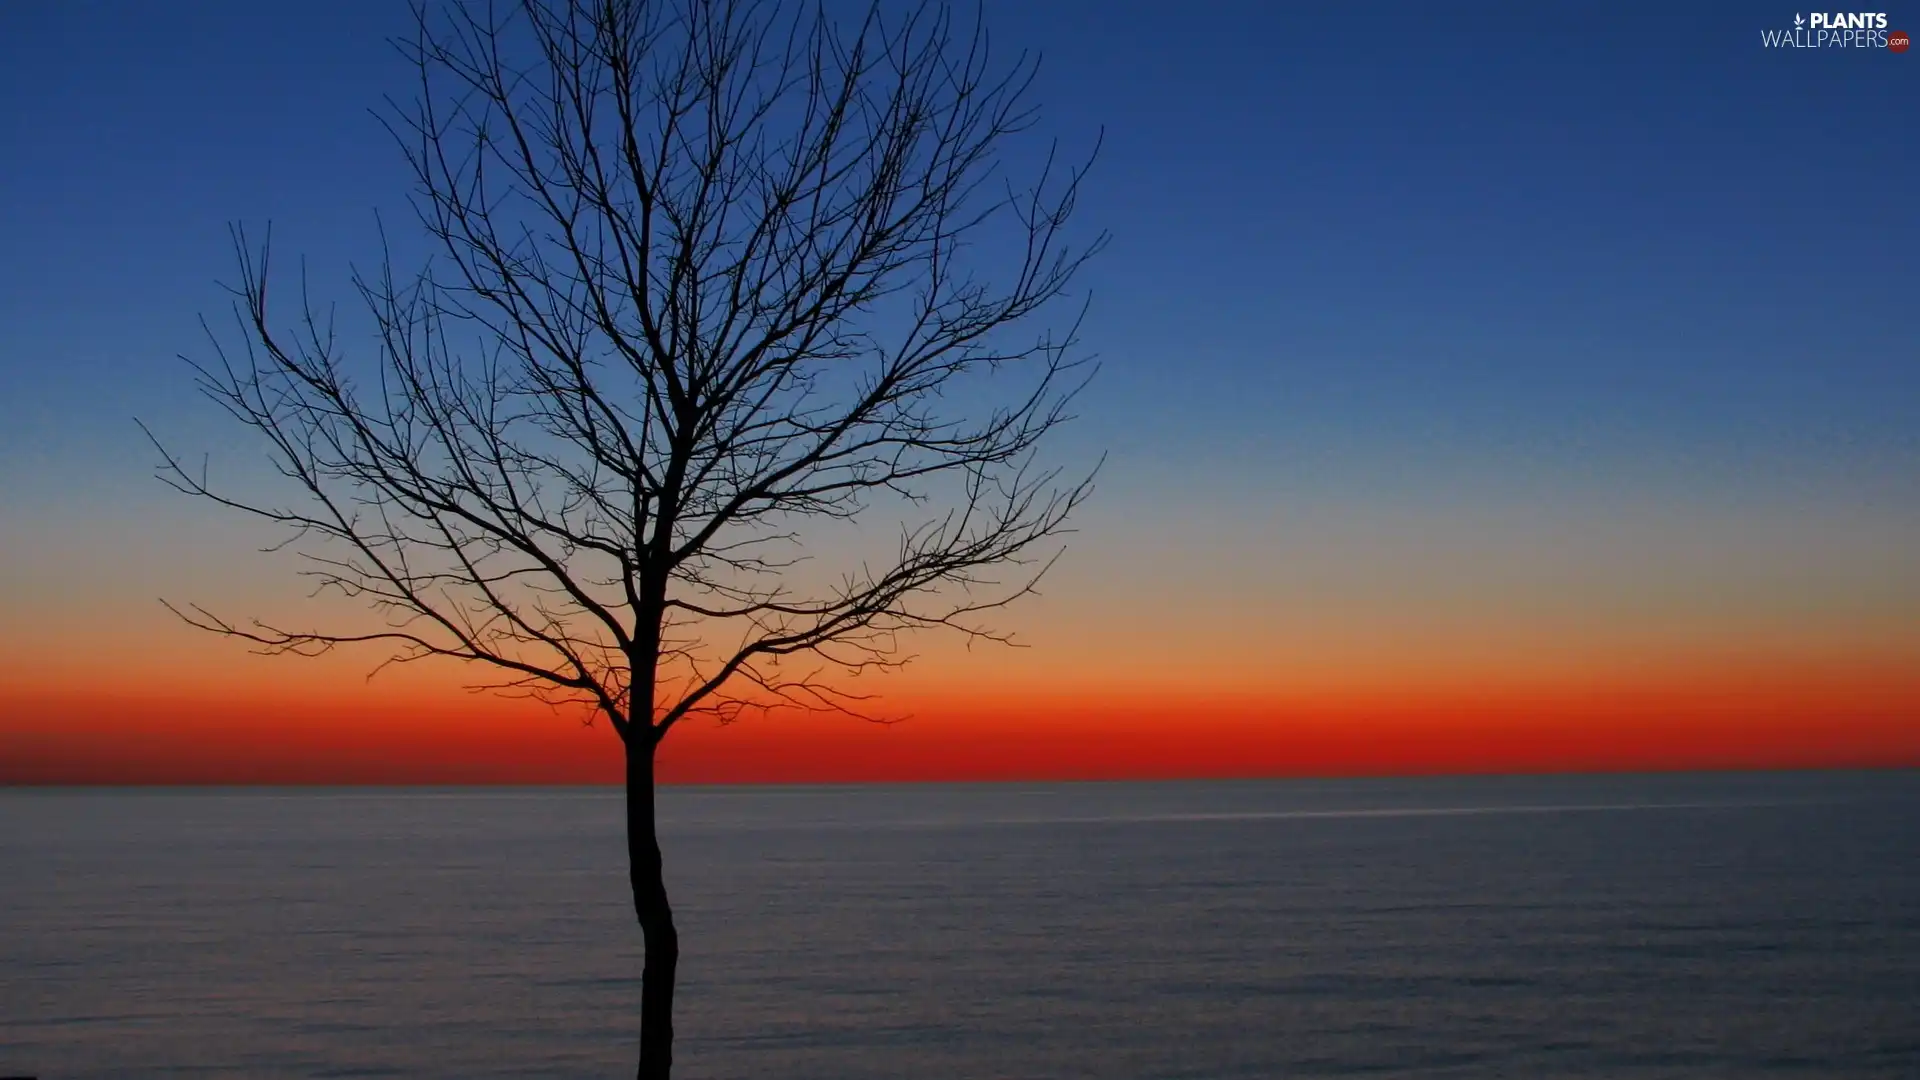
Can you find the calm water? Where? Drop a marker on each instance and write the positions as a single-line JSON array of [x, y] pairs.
[[1696, 926]]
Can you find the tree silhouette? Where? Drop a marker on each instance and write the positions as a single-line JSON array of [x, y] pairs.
[[708, 278]]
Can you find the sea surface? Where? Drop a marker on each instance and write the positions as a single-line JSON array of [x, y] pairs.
[[1736, 925]]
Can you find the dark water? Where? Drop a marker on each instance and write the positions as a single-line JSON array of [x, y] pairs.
[[1686, 926]]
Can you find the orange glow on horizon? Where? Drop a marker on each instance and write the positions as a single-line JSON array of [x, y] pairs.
[[1762, 718]]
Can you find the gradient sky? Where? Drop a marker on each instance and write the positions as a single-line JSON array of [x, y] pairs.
[[1484, 387]]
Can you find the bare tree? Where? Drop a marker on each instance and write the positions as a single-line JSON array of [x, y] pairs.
[[707, 278]]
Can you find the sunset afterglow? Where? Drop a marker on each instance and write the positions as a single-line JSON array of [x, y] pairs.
[[1468, 404]]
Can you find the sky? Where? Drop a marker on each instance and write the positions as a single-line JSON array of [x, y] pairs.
[[1483, 388]]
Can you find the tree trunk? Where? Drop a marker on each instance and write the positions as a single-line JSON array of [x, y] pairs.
[[650, 905]]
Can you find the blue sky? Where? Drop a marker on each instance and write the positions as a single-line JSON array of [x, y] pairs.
[[1462, 230]]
